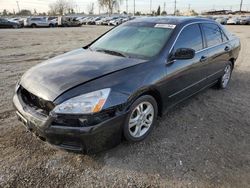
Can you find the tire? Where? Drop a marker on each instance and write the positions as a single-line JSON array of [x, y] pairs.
[[226, 77], [51, 25], [33, 25], [137, 130], [15, 26]]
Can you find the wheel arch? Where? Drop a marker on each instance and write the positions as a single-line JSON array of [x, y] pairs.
[[152, 92], [232, 60]]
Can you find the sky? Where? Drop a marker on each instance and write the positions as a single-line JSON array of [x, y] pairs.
[[140, 5]]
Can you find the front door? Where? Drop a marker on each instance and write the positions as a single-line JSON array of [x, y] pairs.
[[184, 77]]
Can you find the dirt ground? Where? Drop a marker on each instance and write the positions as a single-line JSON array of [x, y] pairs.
[[203, 142]]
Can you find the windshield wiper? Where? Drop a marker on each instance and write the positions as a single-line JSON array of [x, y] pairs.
[[112, 52]]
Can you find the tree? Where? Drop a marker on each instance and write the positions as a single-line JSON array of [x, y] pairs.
[[110, 5], [91, 8], [193, 13], [177, 13], [164, 13], [24, 12], [60, 7], [5, 13], [138, 13], [158, 12]]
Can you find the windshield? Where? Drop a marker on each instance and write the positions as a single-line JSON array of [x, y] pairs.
[[133, 41]]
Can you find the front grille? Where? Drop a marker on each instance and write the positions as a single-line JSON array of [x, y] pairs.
[[37, 103]]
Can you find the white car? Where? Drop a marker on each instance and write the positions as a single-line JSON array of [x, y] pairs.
[[17, 20], [38, 22], [100, 22], [233, 21], [115, 22]]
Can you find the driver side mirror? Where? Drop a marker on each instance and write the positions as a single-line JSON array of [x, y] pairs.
[[184, 53]]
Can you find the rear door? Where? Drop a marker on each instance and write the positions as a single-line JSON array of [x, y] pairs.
[[184, 77], [218, 50], [44, 22]]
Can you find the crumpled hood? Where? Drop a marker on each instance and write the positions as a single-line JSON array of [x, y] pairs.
[[51, 78]]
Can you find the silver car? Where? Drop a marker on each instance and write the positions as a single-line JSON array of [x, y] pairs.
[[38, 22]]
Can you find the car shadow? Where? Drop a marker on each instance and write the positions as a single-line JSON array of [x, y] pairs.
[[202, 138]]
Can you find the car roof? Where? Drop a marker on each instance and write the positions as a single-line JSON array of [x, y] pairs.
[[176, 20]]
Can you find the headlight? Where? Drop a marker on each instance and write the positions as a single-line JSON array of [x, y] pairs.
[[84, 104]]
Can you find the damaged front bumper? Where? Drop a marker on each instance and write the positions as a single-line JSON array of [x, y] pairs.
[[70, 135]]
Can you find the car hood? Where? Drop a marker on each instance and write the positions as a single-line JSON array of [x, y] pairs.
[[51, 78]]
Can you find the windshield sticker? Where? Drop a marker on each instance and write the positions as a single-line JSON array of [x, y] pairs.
[[168, 26]]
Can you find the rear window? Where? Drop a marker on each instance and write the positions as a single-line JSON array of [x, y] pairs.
[[35, 19], [213, 34]]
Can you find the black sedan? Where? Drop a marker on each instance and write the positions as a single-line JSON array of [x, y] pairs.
[[8, 24], [91, 98]]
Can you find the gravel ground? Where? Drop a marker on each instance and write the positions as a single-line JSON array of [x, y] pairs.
[[203, 142]]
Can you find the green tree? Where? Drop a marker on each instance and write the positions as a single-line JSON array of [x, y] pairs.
[[158, 12]]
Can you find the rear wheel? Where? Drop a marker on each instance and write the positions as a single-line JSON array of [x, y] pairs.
[[33, 25], [141, 119], [226, 77]]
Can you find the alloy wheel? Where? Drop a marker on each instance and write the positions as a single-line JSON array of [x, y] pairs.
[[226, 77], [141, 119]]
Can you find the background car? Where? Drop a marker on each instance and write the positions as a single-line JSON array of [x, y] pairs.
[[221, 20], [116, 22], [18, 20], [4, 23], [100, 22], [245, 20], [68, 21], [233, 21], [38, 22]]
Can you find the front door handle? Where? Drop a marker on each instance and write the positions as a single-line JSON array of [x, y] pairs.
[[227, 48], [203, 58]]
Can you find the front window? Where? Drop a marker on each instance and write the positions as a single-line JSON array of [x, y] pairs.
[[134, 41], [190, 37]]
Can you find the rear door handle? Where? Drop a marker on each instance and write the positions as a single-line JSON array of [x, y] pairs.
[[203, 58], [227, 48]]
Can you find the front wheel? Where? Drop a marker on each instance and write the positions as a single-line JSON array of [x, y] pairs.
[[226, 77], [15, 26], [141, 119]]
